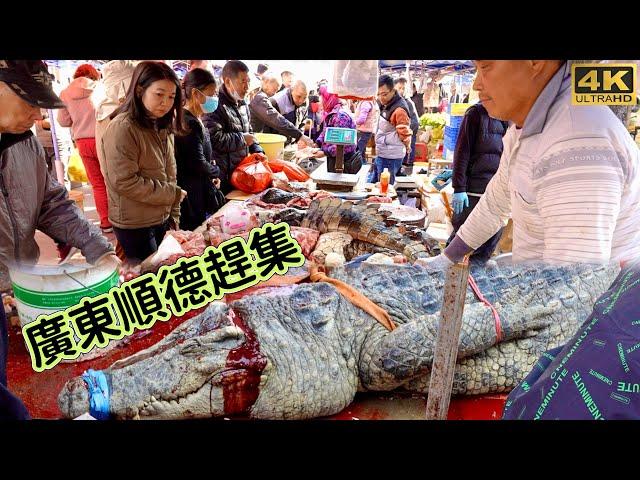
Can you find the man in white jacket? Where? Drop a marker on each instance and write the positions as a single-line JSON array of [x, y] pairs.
[[569, 176]]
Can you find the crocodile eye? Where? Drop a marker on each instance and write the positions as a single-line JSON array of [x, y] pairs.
[[315, 305]]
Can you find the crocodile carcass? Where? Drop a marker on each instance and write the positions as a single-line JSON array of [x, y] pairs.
[[303, 351]]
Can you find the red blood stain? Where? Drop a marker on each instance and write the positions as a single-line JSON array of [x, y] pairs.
[[358, 412], [241, 381], [39, 391], [477, 407]]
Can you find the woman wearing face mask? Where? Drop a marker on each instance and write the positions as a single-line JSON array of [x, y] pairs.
[[197, 174], [138, 148]]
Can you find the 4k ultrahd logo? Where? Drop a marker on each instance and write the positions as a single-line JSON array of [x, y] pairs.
[[603, 84]]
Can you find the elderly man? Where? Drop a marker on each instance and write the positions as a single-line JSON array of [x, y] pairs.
[[569, 176], [287, 80], [32, 198], [266, 118], [230, 125], [291, 103]]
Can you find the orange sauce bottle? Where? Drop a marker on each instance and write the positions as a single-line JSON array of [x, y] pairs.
[[385, 176]]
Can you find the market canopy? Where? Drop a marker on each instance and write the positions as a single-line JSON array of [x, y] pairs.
[[427, 64]]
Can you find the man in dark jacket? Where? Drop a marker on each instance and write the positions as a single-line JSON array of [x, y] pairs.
[[230, 125], [265, 117], [313, 116], [32, 199], [475, 162], [417, 100]]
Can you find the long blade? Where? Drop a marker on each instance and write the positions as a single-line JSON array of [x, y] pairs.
[[446, 351]]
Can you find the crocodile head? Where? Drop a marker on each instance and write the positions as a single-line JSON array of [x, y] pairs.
[[184, 375]]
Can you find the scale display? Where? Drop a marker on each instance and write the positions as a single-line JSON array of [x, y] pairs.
[[340, 136]]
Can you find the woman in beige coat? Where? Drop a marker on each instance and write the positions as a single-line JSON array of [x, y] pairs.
[[138, 152]]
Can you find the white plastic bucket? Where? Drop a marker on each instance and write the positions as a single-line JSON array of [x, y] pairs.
[[45, 289]]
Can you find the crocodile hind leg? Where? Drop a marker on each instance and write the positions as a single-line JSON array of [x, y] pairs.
[[395, 357], [496, 370]]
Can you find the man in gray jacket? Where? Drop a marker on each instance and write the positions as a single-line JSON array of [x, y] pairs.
[[31, 198], [266, 118]]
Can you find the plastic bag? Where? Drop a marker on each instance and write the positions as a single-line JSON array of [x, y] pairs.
[[443, 179], [168, 247], [76, 170], [291, 170], [355, 79], [253, 174], [237, 219]]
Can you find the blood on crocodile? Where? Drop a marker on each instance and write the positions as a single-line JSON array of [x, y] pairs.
[[244, 366]]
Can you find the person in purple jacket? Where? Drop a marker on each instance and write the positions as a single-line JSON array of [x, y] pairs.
[[336, 115]]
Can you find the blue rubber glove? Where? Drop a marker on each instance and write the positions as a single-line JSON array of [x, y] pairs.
[[460, 200]]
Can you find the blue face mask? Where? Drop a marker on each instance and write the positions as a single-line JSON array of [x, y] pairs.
[[210, 105]]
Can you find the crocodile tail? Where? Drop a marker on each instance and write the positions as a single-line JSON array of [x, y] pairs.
[[315, 212]]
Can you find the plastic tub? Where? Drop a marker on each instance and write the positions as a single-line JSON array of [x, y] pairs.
[[273, 144], [45, 289]]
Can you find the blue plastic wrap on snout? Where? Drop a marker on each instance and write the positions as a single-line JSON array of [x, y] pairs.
[[98, 393]]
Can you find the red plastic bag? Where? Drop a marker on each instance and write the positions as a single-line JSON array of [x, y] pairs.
[[253, 174], [293, 172]]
